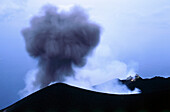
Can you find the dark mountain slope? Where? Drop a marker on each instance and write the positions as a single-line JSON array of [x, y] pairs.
[[156, 84], [64, 98]]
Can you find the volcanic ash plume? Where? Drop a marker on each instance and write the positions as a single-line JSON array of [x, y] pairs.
[[60, 40]]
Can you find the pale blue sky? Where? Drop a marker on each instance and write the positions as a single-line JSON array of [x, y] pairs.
[[135, 32]]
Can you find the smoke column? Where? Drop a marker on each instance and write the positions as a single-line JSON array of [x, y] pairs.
[[60, 40]]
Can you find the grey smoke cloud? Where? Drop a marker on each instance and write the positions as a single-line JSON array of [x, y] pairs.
[[59, 40]]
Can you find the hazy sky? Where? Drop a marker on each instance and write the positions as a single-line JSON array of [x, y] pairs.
[[135, 32]]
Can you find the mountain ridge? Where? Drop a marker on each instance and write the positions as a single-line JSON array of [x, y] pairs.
[[65, 98]]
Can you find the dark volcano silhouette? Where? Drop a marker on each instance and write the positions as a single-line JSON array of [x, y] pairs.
[[156, 84], [64, 98]]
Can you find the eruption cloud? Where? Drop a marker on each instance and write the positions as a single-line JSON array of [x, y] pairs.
[[60, 40]]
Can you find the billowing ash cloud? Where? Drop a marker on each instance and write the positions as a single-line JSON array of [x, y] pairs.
[[60, 40]]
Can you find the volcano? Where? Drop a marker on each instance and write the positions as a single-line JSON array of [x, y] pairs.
[[61, 97]]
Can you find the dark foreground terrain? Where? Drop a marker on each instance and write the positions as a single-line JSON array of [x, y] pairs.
[[155, 97]]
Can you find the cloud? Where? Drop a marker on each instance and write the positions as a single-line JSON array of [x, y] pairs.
[[61, 41], [133, 31]]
